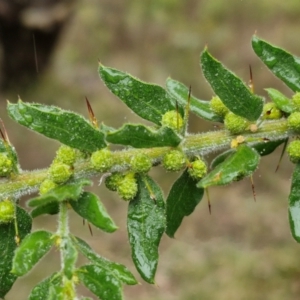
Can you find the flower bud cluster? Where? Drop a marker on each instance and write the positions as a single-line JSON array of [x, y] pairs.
[[197, 169], [7, 211], [174, 160], [173, 120], [271, 111]]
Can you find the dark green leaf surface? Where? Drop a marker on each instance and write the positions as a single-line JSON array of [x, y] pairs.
[[146, 225], [141, 136], [91, 208], [294, 204], [199, 107], [266, 148], [241, 163], [70, 255], [61, 193], [41, 290], [50, 209], [220, 158], [111, 268], [281, 101], [181, 202], [231, 90], [8, 246], [104, 286], [67, 127], [31, 250], [149, 101], [281, 63]]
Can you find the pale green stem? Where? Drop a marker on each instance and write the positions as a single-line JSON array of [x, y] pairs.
[[199, 144]]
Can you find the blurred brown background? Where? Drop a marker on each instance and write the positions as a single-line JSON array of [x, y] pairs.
[[244, 250]]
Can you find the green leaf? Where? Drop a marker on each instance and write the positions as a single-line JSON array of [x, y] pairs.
[[199, 107], [41, 290], [146, 225], [241, 163], [220, 158], [112, 268], [266, 148], [67, 127], [50, 209], [8, 246], [91, 208], [149, 101], [294, 204], [181, 202], [231, 90], [31, 250], [60, 193], [281, 63], [70, 255], [99, 282], [281, 101], [141, 136]]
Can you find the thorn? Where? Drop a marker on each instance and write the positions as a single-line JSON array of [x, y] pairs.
[[90, 228], [91, 113], [208, 200], [253, 188], [35, 55], [4, 132], [251, 85], [281, 155], [187, 108]]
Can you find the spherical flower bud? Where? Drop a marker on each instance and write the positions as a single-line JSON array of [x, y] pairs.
[[172, 119], [293, 121], [293, 151], [174, 160], [140, 163], [271, 111], [128, 188], [296, 101], [59, 172], [235, 124], [112, 182], [7, 211], [6, 165], [218, 107], [102, 160], [66, 155], [197, 169], [46, 186]]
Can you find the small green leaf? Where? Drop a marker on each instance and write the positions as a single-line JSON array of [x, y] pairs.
[[149, 101], [281, 101], [67, 127], [112, 268], [181, 202], [281, 63], [294, 204], [50, 209], [99, 282], [70, 255], [146, 225], [199, 107], [8, 246], [231, 90], [91, 208], [220, 158], [141, 136], [266, 148], [60, 193], [41, 290], [241, 163], [31, 250]]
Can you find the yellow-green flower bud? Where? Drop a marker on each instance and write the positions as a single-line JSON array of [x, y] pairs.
[[6, 165], [293, 151], [293, 122], [46, 186], [7, 211], [112, 182], [296, 101], [235, 124], [59, 172], [128, 188], [197, 169], [174, 160], [172, 119], [102, 160], [66, 155], [218, 107], [271, 111], [140, 163]]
